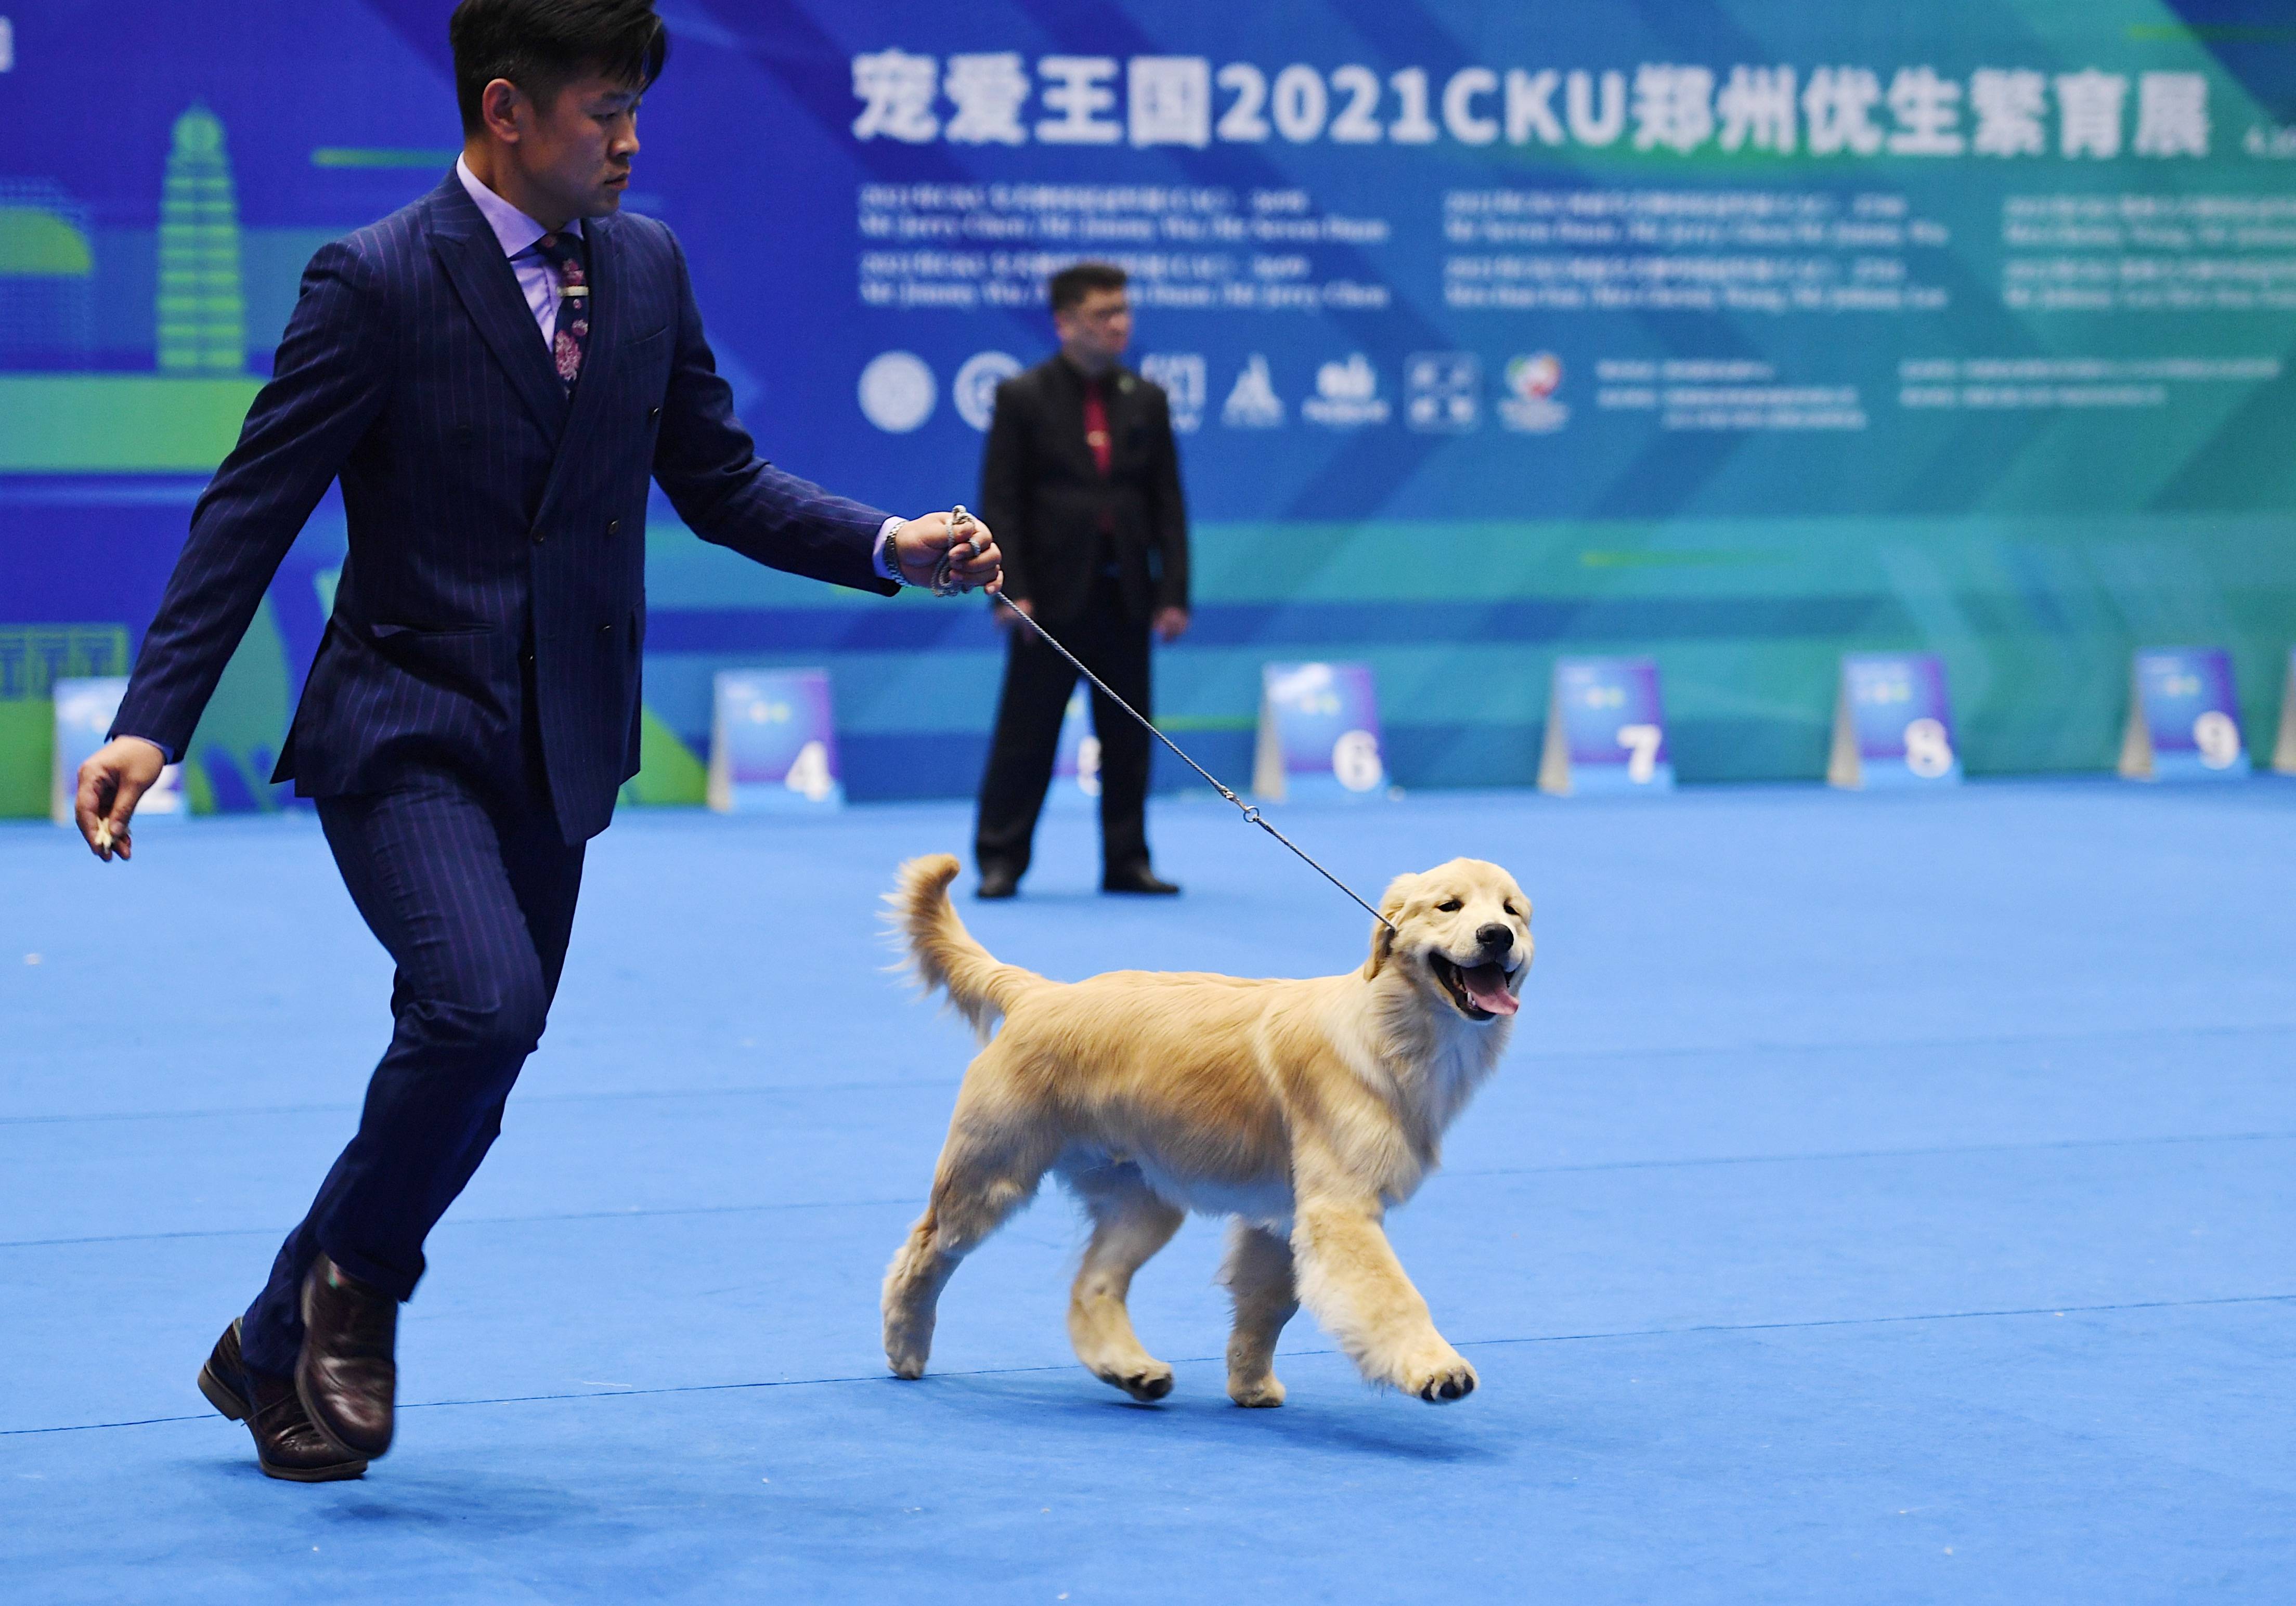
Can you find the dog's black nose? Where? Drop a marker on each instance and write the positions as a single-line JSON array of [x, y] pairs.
[[1496, 937]]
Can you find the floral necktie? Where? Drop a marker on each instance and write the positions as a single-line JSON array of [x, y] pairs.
[[563, 252]]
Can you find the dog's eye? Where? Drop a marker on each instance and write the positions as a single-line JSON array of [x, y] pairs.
[[1509, 907], [1451, 905]]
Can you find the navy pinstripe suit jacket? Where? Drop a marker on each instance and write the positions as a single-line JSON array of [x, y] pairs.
[[489, 515]]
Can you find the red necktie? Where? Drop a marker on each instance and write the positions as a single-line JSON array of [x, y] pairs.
[[1096, 423]]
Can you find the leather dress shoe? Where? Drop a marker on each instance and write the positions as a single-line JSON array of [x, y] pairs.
[[996, 881], [346, 1376], [286, 1445], [1136, 878]]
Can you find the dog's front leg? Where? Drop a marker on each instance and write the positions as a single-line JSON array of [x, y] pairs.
[[1351, 1282]]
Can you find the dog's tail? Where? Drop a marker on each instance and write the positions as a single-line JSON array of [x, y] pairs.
[[942, 954]]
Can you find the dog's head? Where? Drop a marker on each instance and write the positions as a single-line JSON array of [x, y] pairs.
[[1461, 933]]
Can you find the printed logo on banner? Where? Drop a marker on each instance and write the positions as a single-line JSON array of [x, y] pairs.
[[896, 391], [1318, 733], [1443, 391], [772, 741], [1347, 395], [1605, 728], [1529, 404], [974, 390], [86, 708], [1180, 375], [1892, 722], [2183, 717], [1252, 402]]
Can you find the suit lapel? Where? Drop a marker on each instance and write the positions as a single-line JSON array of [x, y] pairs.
[[483, 280]]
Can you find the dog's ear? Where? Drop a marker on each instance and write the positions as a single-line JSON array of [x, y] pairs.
[[1383, 934]]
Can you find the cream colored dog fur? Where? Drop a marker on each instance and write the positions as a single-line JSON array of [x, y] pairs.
[[1301, 1109]]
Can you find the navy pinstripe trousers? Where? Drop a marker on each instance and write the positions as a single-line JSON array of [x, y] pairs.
[[470, 888]]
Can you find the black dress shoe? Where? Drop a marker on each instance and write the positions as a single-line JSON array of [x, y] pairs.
[[997, 882], [286, 1445], [1136, 878], [346, 1376]]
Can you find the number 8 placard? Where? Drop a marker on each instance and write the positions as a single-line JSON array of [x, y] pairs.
[[1605, 728], [1893, 723]]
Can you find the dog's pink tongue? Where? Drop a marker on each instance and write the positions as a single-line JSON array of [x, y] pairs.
[[1487, 985]]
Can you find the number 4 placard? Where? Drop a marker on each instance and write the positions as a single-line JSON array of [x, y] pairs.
[[1893, 723], [2183, 717], [773, 742], [1605, 728]]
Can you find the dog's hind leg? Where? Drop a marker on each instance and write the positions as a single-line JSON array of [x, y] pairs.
[[1129, 1223], [982, 1178], [1258, 1274]]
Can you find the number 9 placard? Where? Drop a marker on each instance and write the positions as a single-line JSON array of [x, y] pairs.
[[1605, 728], [1893, 723], [2183, 717]]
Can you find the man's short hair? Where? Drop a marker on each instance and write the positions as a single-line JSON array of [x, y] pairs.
[[1074, 283], [542, 45]]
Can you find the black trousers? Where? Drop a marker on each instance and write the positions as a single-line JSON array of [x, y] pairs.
[[471, 889], [1037, 681]]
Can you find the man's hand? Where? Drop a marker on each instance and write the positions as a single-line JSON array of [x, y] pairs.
[[111, 783], [1170, 624], [919, 544]]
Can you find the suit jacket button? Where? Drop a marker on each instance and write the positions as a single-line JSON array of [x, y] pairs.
[[613, 527], [605, 630], [653, 414], [537, 537]]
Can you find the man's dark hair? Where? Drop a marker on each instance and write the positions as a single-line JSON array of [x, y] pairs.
[[542, 45], [1074, 283]]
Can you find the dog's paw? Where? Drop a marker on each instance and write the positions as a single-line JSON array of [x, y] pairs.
[[1263, 1394], [1439, 1385], [907, 1350], [1145, 1383]]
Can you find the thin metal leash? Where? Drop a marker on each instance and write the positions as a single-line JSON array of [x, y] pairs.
[[944, 584]]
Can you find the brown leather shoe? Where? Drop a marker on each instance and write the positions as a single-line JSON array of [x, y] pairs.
[[286, 1445], [346, 1376]]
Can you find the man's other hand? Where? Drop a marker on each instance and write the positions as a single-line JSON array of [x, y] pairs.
[[1171, 624], [111, 783], [1003, 616], [919, 545]]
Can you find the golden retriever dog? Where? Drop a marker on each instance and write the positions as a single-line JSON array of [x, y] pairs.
[[1301, 1109]]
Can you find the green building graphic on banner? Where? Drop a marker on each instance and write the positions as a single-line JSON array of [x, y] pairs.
[[202, 306]]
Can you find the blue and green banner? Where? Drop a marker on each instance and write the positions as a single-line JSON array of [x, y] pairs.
[[1737, 336]]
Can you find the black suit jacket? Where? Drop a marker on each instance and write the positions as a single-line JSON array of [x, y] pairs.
[[1044, 497], [489, 517]]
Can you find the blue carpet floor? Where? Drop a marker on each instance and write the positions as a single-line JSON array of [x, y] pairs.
[[1885, 1200]]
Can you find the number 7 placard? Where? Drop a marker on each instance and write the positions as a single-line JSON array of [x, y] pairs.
[[1605, 728], [1893, 723]]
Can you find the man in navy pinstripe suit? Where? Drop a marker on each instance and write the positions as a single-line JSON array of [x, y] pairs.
[[494, 372]]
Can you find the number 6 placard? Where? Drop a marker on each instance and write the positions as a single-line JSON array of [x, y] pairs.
[[1318, 733], [1893, 723], [1605, 728], [773, 742], [2183, 717]]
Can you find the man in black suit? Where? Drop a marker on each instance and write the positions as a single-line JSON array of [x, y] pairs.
[[1082, 481], [494, 372]]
